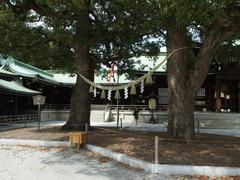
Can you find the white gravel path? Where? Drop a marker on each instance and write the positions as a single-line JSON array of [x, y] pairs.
[[23, 163]]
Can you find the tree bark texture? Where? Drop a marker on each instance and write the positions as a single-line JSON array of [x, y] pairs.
[[185, 77], [181, 99], [81, 98], [215, 35]]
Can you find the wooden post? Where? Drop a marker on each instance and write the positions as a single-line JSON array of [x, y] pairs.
[[86, 130], [156, 149], [79, 142], [39, 116], [122, 117], [71, 140], [121, 122], [218, 97]]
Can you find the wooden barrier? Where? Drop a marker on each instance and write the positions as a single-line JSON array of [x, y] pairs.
[[79, 138], [24, 118]]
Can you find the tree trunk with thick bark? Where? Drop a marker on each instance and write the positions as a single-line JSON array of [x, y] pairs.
[[81, 98], [186, 76], [181, 98]]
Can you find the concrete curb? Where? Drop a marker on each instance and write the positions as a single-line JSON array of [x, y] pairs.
[[147, 166], [164, 168], [121, 158]]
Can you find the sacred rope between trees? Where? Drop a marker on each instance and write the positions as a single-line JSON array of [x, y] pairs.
[[147, 77]]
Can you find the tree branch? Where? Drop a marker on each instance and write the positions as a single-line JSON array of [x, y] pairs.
[[217, 33], [37, 43]]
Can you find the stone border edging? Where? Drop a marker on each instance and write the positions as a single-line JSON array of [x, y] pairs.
[[164, 169], [121, 158]]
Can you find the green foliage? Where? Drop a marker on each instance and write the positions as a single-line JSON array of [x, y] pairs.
[[45, 32], [116, 31], [27, 43], [199, 17], [191, 11]]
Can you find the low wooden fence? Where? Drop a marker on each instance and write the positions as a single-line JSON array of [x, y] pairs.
[[25, 118]]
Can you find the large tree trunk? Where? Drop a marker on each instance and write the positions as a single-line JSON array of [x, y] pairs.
[[185, 77], [181, 101], [81, 98]]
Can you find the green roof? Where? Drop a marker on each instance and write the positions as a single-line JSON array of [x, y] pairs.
[[15, 87], [12, 67], [6, 73]]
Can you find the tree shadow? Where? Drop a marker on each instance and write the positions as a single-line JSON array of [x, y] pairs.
[[80, 162]]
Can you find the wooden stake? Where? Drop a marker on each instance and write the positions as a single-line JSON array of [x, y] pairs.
[[156, 149]]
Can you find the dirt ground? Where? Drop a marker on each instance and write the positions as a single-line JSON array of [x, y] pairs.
[[212, 150]]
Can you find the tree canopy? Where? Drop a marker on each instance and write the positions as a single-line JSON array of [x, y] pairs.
[[46, 32]]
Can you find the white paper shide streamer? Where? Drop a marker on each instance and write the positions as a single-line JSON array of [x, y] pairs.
[[125, 92], [109, 95], [94, 92]]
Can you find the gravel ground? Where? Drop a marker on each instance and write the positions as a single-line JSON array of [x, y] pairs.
[[38, 163], [212, 150]]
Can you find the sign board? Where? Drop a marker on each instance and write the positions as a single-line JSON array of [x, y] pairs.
[[38, 100]]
